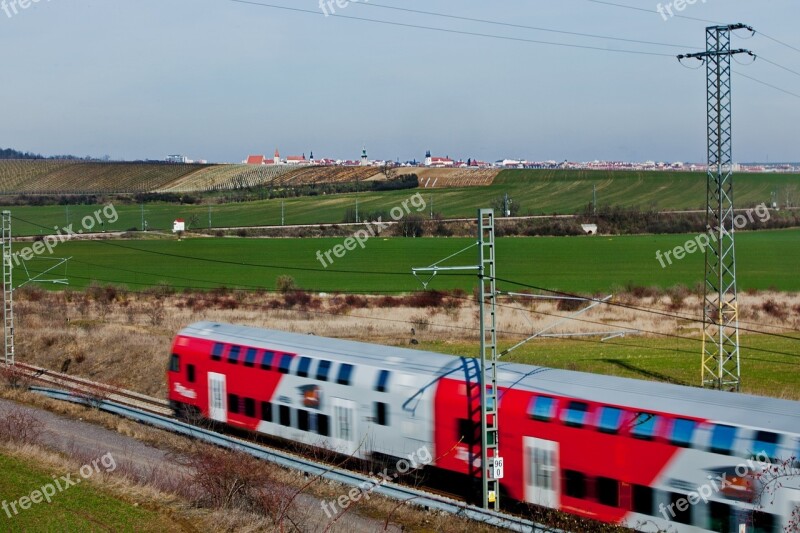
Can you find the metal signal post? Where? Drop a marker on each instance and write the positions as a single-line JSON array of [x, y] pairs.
[[491, 461], [720, 357]]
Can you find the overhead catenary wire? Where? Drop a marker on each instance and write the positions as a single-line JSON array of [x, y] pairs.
[[452, 31]]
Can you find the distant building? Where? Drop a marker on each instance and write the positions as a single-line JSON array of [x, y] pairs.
[[364, 158], [439, 162], [179, 225], [256, 160], [177, 159]]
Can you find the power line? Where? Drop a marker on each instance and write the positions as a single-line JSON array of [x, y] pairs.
[[649, 11], [643, 309], [766, 84], [520, 26], [451, 31], [762, 58]]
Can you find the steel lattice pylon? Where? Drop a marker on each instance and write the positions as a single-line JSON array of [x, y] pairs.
[[720, 364], [489, 423], [8, 291]]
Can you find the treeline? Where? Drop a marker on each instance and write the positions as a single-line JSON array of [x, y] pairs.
[[10, 153], [269, 191]]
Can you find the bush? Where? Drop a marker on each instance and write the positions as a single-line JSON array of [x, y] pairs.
[[19, 426], [285, 284]]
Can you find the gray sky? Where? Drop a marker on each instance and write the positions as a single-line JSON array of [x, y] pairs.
[[216, 79]]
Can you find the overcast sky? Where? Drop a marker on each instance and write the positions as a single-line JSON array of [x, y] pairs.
[[218, 80]]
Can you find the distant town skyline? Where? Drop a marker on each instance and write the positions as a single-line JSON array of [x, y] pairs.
[[219, 80]]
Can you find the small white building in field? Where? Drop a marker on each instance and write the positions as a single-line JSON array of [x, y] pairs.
[[179, 225]]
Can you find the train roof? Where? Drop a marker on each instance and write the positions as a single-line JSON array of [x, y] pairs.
[[739, 409]]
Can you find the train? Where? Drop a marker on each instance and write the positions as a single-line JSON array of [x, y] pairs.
[[648, 455]]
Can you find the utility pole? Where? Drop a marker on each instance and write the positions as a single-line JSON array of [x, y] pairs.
[[282, 212], [8, 291], [209, 217], [144, 224], [491, 461], [594, 199], [357, 210], [720, 357]]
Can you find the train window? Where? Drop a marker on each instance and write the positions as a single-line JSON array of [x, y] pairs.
[[680, 505], [719, 516], [643, 426], [722, 438], [216, 351], [266, 411], [190, 373], [233, 354], [607, 491], [765, 443], [233, 404], [250, 407], [345, 371], [764, 523], [302, 368], [323, 369], [302, 420], [542, 408], [284, 415], [286, 362], [575, 414], [610, 420], [266, 360], [642, 500], [469, 432], [381, 414], [682, 432], [250, 357], [322, 425], [174, 363], [574, 484], [383, 381]]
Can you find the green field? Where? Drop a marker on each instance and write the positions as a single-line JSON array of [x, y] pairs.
[[766, 259], [78, 508], [535, 191]]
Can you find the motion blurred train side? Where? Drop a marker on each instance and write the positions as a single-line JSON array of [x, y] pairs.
[[617, 450]]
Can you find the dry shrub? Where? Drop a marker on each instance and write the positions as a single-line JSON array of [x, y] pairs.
[[359, 302], [155, 311], [30, 293], [20, 427], [296, 298], [425, 299], [225, 479], [773, 308], [389, 302], [677, 296], [14, 377], [569, 304], [421, 323], [285, 283]]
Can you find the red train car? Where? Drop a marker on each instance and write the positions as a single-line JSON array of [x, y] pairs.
[[649, 455]]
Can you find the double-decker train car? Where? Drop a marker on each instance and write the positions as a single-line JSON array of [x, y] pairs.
[[648, 455]]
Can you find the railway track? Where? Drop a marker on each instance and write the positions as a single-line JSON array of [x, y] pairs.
[[424, 498], [156, 412]]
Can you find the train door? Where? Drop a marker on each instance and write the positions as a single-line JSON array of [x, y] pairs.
[[217, 410], [344, 425], [541, 472]]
